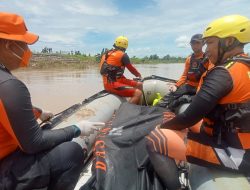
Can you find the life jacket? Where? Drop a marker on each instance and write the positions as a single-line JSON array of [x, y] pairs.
[[8, 140], [197, 67], [230, 119], [111, 66], [7, 143]]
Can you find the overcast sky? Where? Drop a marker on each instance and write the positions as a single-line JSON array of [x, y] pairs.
[[152, 26]]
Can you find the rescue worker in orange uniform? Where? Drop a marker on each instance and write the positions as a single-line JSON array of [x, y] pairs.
[[112, 67], [222, 101], [30, 157], [195, 65]]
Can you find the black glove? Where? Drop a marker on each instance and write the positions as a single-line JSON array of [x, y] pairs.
[[185, 99], [179, 101]]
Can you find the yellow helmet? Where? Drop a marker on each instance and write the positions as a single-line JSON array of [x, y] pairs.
[[230, 26], [122, 42]]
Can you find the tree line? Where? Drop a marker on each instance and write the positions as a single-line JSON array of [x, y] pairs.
[[48, 50], [154, 58]]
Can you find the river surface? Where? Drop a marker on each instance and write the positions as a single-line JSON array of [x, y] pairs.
[[57, 89]]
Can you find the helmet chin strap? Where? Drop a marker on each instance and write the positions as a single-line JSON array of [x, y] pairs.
[[222, 49], [120, 48]]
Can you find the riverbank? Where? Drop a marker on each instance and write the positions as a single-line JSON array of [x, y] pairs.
[[44, 61]]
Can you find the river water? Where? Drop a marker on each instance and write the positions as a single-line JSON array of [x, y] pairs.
[[57, 89]]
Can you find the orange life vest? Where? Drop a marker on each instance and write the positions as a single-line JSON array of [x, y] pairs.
[[111, 66], [197, 67], [232, 114], [8, 140]]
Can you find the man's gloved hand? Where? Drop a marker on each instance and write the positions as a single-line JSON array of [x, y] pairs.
[[181, 100], [185, 99], [89, 127], [46, 115], [172, 88]]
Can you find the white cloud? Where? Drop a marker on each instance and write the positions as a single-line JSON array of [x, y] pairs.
[[182, 41], [161, 27], [93, 8], [140, 52], [40, 8], [58, 38]]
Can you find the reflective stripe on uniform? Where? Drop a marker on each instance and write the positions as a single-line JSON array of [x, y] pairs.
[[225, 159], [158, 141], [230, 157]]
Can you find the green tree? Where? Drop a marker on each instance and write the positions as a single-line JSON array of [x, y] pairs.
[[154, 57]]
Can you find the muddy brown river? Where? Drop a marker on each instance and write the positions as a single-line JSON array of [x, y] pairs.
[[57, 89]]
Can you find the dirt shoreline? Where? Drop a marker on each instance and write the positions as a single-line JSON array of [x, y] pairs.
[[44, 61]]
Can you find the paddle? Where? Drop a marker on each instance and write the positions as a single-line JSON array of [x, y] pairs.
[[158, 78], [72, 109]]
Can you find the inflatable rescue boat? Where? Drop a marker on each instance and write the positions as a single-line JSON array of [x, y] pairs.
[[102, 106]]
